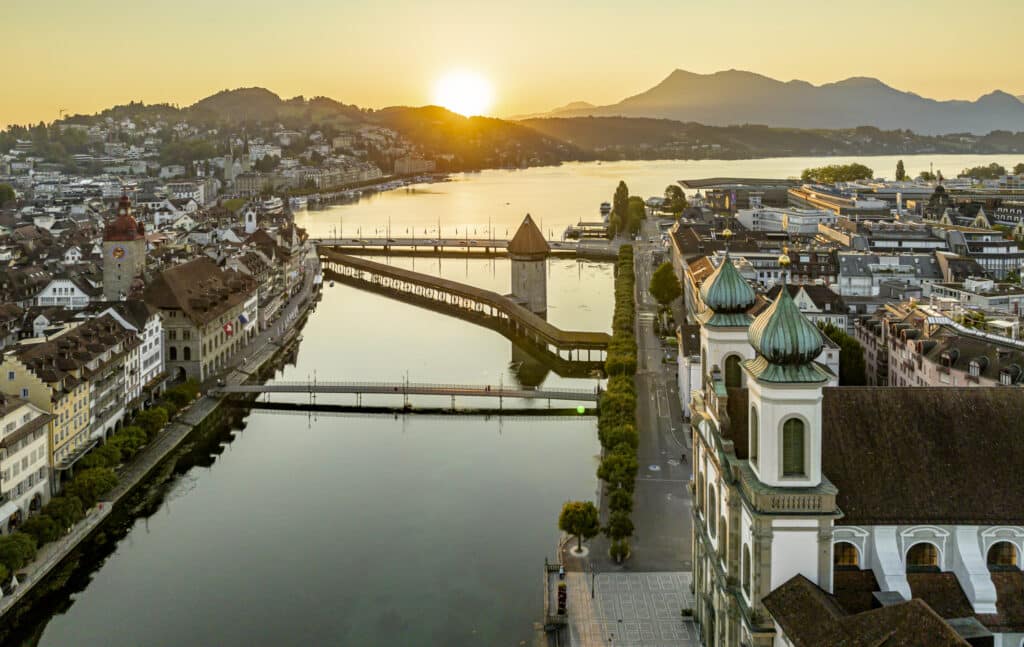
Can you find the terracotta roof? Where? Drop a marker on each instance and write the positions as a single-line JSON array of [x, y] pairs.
[[200, 289], [812, 618], [124, 227], [528, 241]]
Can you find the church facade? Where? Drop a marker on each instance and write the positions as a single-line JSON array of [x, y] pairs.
[[825, 514]]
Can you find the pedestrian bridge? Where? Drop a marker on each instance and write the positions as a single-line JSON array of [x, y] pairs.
[[406, 389], [480, 306], [595, 249]]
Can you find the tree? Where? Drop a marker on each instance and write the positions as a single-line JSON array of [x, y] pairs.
[[675, 199], [6, 194], [665, 286], [620, 500], [579, 518], [901, 173], [1019, 169], [620, 525], [89, 485], [16, 550], [927, 176], [837, 173], [43, 528], [620, 202], [989, 172], [636, 212], [151, 421], [852, 369], [65, 510]]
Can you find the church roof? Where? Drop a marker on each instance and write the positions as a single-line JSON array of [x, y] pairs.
[[786, 342], [949, 455], [726, 292], [810, 617], [528, 241]]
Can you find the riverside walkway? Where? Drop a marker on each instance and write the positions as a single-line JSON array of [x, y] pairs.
[[465, 301], [406, 389]]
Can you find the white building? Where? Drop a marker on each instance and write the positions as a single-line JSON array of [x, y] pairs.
[[24, 461], [792, 220], [68, 293]]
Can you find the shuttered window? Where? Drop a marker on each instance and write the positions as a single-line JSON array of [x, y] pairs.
[[793, 448]]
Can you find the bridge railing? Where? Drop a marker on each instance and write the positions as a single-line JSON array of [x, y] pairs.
[[425, 385]]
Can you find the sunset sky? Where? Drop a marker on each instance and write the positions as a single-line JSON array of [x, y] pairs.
[[85, 55]]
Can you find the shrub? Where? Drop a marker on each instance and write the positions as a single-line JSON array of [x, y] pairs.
[[168, 408], [42, 528]]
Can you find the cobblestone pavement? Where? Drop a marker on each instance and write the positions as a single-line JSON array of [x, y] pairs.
[[630, 610]]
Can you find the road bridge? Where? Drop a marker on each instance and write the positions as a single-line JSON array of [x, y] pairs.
[[480, 306]]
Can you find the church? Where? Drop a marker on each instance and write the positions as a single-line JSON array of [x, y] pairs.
[[828, 515]]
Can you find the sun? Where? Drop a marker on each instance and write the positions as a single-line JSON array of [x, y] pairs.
[[466, 93]]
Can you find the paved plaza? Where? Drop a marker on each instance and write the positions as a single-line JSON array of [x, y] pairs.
[[630, 609]]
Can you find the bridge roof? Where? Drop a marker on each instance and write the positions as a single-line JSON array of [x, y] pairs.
[[556, 335]]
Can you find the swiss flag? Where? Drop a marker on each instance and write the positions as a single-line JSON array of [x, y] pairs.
[[229, 329]]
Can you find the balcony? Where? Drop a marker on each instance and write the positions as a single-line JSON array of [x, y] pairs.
[[819, 500]]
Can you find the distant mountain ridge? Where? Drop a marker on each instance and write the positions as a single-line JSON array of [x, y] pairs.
[[736, 97]]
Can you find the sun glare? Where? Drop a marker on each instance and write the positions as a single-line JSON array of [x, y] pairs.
[[466, 93]]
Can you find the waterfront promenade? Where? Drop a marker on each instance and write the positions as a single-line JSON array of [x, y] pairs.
[[241, 367]]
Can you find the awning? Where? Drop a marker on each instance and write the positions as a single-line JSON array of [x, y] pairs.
[[7, 510]]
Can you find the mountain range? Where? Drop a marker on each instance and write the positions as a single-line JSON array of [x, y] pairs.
[[736, 97]]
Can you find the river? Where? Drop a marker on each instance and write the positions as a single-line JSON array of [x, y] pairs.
[[384, 530]]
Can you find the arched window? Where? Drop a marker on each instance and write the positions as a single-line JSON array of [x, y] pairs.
[[844, 555], [745, 575], [755, 435], [923, 557], [1002, 556], [793, 448], [187, 351], [733, 375], [174, 353], [712, 515]]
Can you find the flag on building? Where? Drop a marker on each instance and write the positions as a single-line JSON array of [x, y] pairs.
[[229, 329]]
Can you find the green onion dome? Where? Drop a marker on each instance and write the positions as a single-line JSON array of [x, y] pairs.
[[783, 335], [726, 291]]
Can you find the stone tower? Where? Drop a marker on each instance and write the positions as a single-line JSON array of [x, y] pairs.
[[124, 252], [529, 252], [249, 216]]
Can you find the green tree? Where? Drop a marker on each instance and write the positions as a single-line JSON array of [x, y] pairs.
[[151, 421], [637, 213], [620, 525], [927, 176], [618, 469], [852, 369], [1018, 169], [65, 510], [901, 173], [579, 518], [665, 287], [675, 199], [620, 202], [837, 173], [620, 500], [16, 550], [989, 172], [7, 194], [42, 528], [89, 485]]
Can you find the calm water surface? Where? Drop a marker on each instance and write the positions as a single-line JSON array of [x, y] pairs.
[[384, 530]]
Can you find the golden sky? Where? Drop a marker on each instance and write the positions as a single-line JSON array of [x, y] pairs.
[[86, 55]]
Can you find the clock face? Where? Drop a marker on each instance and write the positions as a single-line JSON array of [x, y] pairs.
[[117, 252]]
